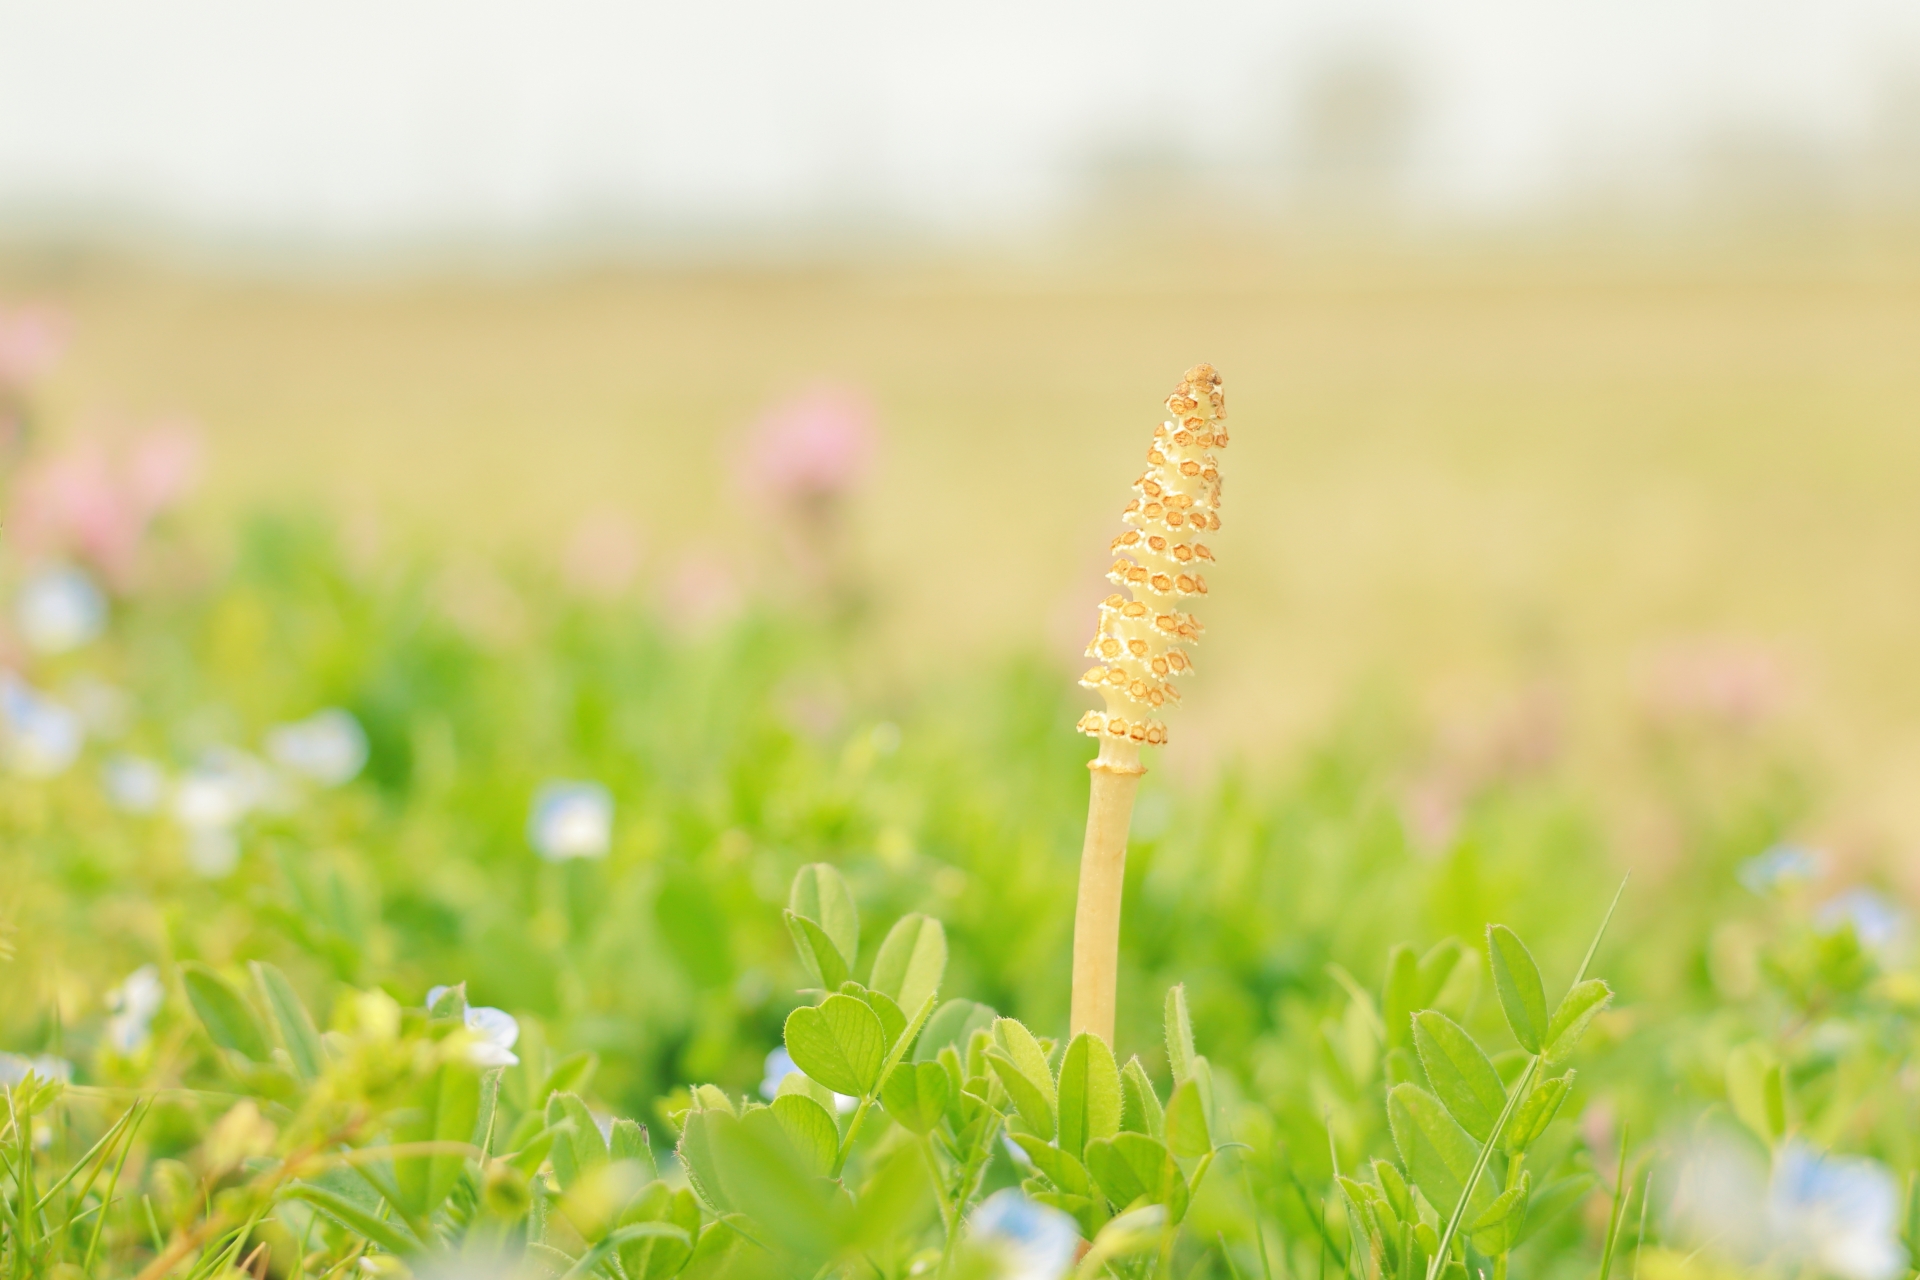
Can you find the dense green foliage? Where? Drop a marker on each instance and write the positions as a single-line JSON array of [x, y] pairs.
[[314, 1081]]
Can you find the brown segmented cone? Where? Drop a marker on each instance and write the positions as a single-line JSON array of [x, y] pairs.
[[1161, 561], [1141, 647]]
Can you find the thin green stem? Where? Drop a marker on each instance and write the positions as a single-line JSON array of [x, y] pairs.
[[1640, 1236], [1319, 1222], [1520, 1091], [1621, 1194], [1253, 1216], [947, 1223], [846, 1143], [971, 1172]]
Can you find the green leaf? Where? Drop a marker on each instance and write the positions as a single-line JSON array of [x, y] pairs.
[[840, 1043], [892, 1021], [911, 962], [1189, 1130], [229, 1020], [297, 1034], [1401, 997], [821, 897], [1533, 1116], [1132, 1166], [772, 1183], [1081, 1209], [1018, 1045], [817, 952], [1554, 1199], [1461, 1075], [1360, 1199], [629, 1142], [1179, 1029], [1139, 1105], [904, 1041], [588, 1263], [953, 1023], [658, 1257], [701, 1161], [725, 1250], [355, 1218], [807, 1087], [1756, 1089], [810, 1128], [1493, 1231], [1029, 1099], [1517, 979], [1089, 1093], [1394, 1187], [1438, 1153], [894, 1203], [530, 1152], [1570, 1021], [445, 1107], [915, 1095], [578, 1149], [1061, 1169]]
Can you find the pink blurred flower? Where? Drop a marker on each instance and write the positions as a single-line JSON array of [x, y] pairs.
[[31, 342], [602, 558], [80, 504], [814, 446], [700, 593], [1731, 683]]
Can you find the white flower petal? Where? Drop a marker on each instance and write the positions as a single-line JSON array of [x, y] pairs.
[[328, 747], [571, 820], [59, 609]]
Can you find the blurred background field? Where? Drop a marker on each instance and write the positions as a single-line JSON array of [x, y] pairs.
[[1570, 482]]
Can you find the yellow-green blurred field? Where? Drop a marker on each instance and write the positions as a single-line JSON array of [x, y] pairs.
[[1519, 487]]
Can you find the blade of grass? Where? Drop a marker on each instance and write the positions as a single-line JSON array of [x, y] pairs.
[[1640, 1236], [109, 1136], [1319, 1223], [1253, 1216], [1621, 1194], [113, 1185], [1233, 1272]]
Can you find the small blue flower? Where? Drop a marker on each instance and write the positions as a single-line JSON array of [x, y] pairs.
[[328, 747], [211, 800], [59, 609], [1032, 1241], [779, 1067], [1778, 867], [39, 736], [1876, 922], [133, 1005], [1839, 1215], [134, 784], [571, 820]]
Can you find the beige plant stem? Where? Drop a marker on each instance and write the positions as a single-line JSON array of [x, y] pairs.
[[1103, 871], [1139, 646]]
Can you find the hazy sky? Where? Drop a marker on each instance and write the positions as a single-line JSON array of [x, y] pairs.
[[356, 119]]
